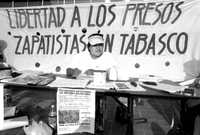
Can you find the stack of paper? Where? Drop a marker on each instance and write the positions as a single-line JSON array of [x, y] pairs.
[[150, 78], [105, 86], [69, 83], [164, 87], [126, 86]]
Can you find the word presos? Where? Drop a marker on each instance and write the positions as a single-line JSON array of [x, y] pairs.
[[131, 14]]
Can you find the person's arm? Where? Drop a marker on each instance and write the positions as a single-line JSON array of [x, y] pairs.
[[112, 73], [113, 70], [73, 70]]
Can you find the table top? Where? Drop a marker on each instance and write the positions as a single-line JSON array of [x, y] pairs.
[[147, 93]]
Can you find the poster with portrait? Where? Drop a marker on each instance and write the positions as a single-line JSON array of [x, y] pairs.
[[75, 110]]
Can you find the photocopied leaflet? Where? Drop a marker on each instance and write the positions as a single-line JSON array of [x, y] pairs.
[[75, 110]]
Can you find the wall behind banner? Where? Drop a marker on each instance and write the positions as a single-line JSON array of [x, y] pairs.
[[154, 37]]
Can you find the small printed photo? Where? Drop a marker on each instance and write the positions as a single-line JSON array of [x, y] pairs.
[[68, 116]]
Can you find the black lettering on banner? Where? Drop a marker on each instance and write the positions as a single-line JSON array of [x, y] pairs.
[[18, 44], [10, 20], [46, 46], [141, 38], [37, 18], [100, 20], [139, 9], [83, 43], [112, 13], [162, 43], [53, 44], [140, 44], [29, 13], [168, 43], [150, 6], [35, 39], [16, 17], [45, 17], [75, 45], [26, 46], [130, 45], [41, 47], [123, 42], [60, 43], [168, 14], [47, 37], [89, 24], [61, 16], [76, 17], [22, 18], [151, 45], [109, 43], [159, 14], [66, 42], [52, 18], [179, 11], [128, 8], [184, 37]]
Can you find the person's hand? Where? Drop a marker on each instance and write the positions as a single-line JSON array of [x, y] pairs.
[[73, 72], [69, 72], [76, 72], [40, 128], [89, 72]]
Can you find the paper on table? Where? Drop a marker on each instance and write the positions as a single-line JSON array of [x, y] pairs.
[[105, 86], [70, 83], [187, 82], [150, 78], [164, 87], [126, 86], [119, 86], [14, 123]]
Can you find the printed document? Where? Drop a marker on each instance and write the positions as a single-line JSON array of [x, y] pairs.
[[75, 110]]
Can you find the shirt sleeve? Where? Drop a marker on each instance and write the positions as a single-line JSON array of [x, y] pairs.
[[112, 71]]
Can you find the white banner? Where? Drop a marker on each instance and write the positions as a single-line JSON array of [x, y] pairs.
[[155, 37]]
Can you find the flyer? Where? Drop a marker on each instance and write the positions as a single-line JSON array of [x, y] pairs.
[[75, 110]]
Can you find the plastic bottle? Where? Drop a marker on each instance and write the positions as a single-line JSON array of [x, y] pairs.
[[52, 120]]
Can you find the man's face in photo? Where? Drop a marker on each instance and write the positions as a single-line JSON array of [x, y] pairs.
[[96, 50]]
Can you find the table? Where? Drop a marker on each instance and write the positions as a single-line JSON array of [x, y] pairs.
[[131, 95]]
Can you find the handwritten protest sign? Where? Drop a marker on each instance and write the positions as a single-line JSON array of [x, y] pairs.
[[154, 37]]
